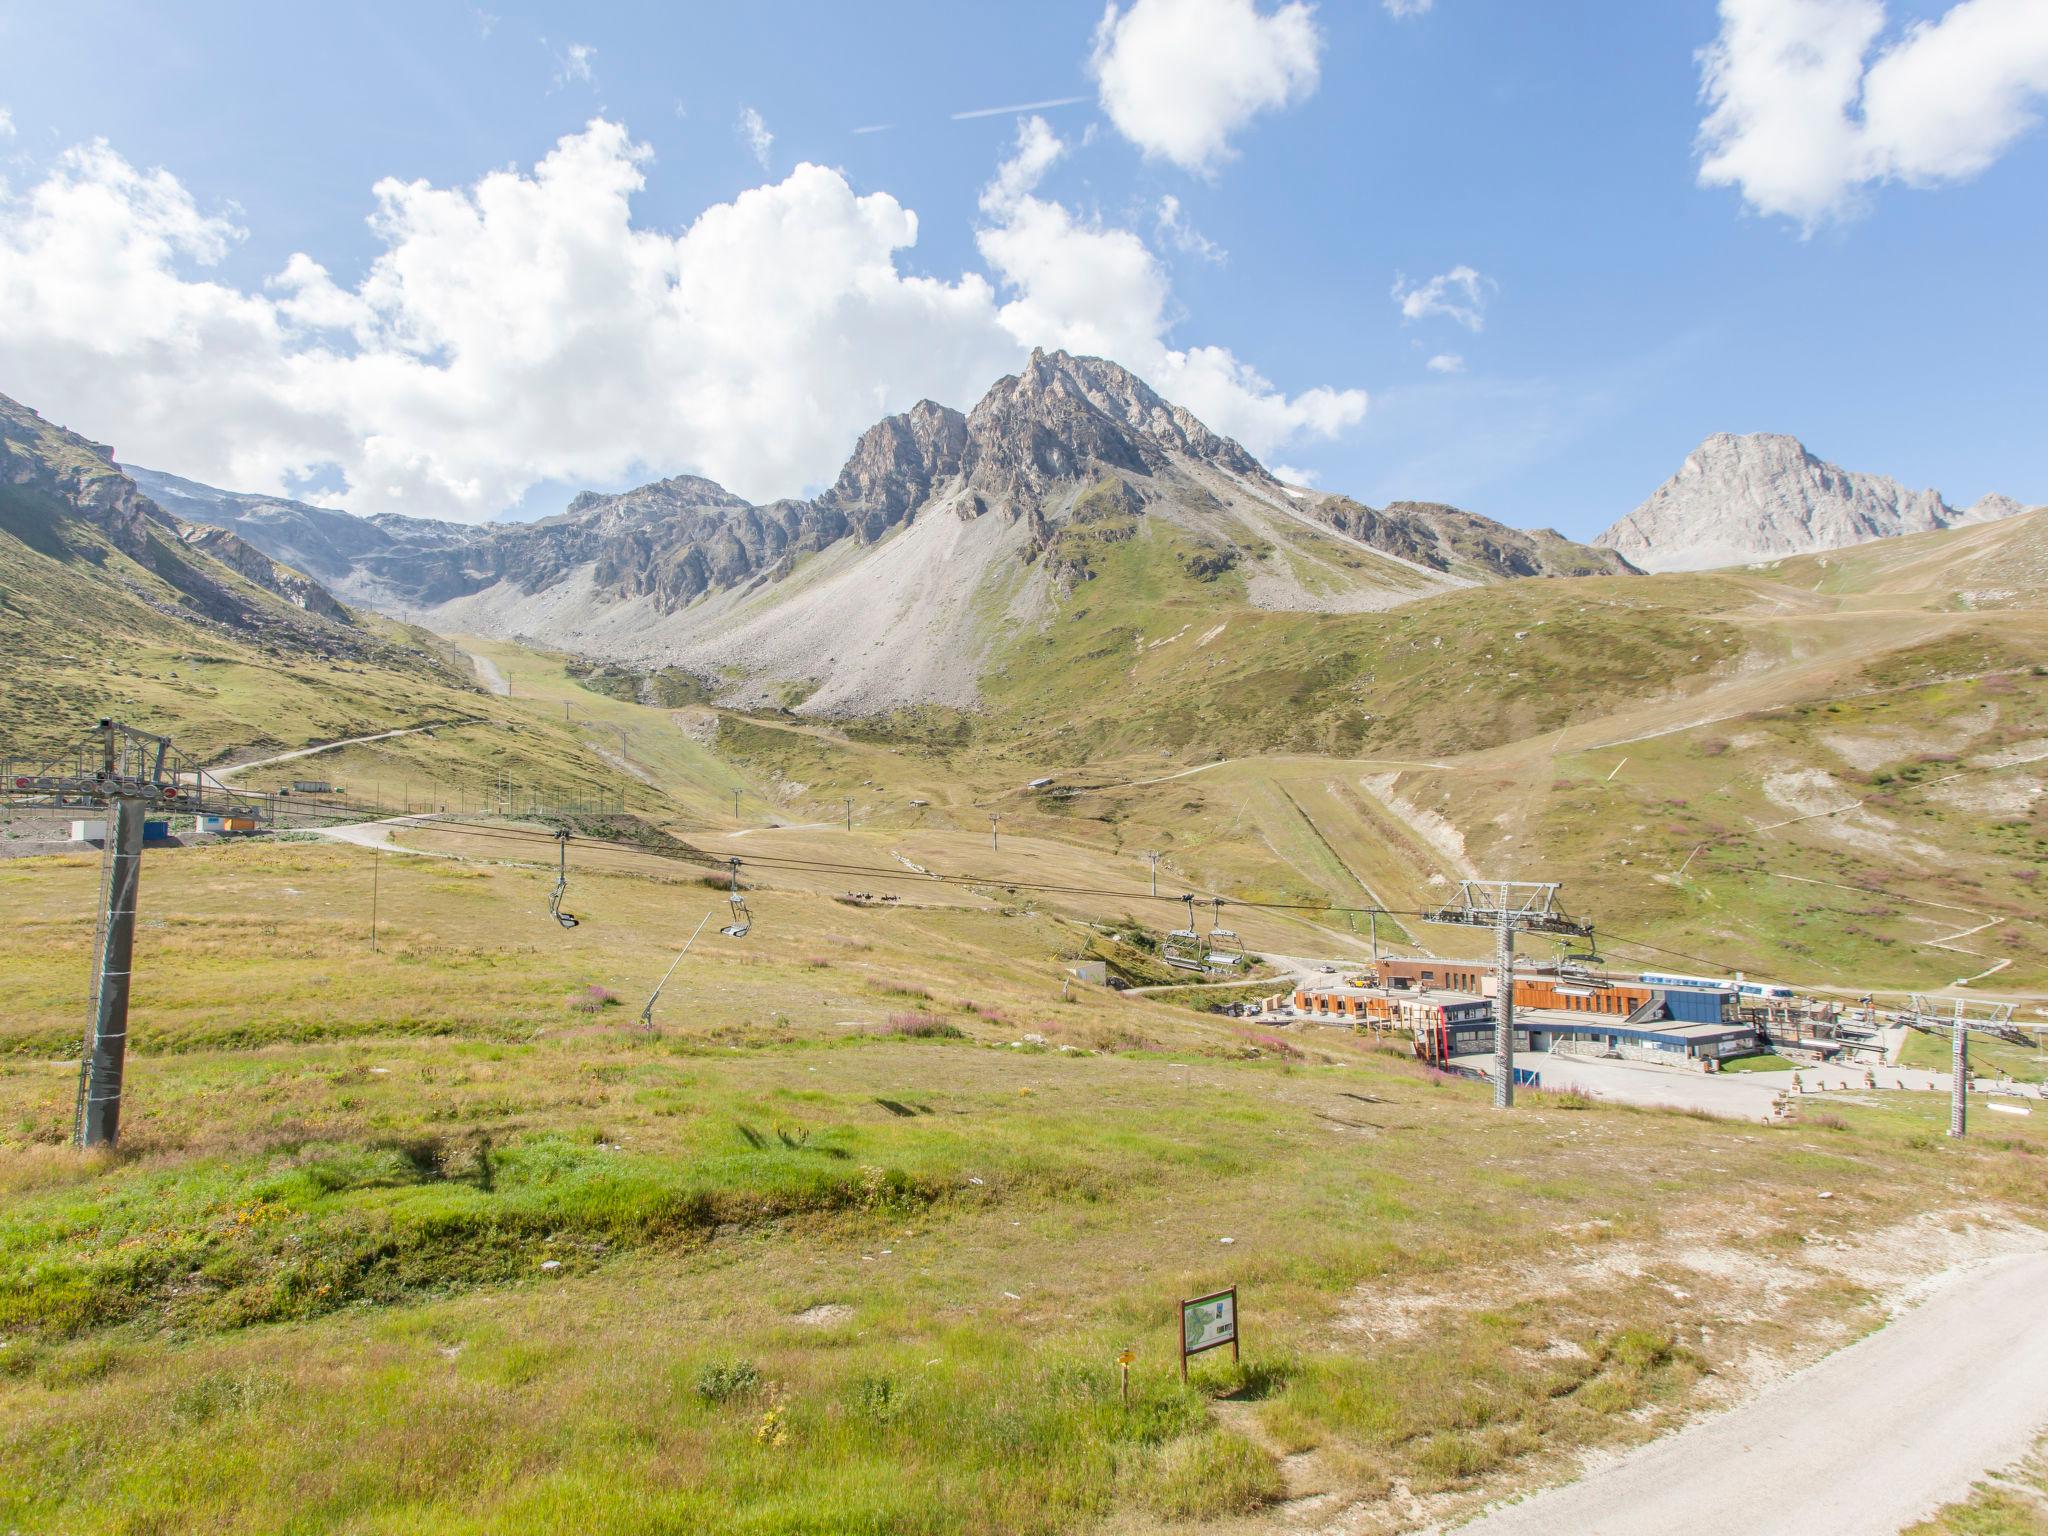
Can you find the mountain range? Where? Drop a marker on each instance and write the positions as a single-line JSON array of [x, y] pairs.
[[1737, 500], [947, 542], [944, 535]]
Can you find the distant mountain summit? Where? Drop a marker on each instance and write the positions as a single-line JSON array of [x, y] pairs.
[[1739, 499]]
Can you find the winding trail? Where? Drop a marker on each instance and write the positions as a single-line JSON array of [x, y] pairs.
[[1864, 1443]]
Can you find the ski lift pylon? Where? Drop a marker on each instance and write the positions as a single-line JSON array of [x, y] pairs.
[[561, 882]]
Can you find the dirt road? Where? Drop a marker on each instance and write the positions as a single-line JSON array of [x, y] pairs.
[[1862, 1444], [213, 776]]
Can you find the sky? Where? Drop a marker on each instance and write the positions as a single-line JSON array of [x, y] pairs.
[[462, 260]]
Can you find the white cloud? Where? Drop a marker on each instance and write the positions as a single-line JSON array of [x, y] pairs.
[[1179, 77], [754, 134], [1460, 294], [1446, 362], [1293, 474], [523, 330], [573, 65], [6, 124], [1175, 229], [1079, 284], [486, 21], [1408, 7], [1802, 118], [1038, 149]]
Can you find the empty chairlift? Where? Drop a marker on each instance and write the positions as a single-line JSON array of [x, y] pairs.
[[561, 882], [742, 919], [1184, 947], [1225, 949]]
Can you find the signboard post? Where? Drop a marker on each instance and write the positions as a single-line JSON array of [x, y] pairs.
[[1208, 1322]]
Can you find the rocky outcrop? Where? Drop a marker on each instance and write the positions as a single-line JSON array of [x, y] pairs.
[[895, 467], [1065, 419], [1737, 500], [249, 562], [63, 496], [1461, 543]]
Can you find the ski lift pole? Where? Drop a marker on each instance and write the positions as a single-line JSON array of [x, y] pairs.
[[647, 1013], [1959, 1075]]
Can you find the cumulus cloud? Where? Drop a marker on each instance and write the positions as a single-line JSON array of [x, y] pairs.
[[754, 134], [1089, 287], [1293, 474], [1446, 362], [1179, 77], [523, 329], [1176, 231], [1802, 117], [1460, 294]]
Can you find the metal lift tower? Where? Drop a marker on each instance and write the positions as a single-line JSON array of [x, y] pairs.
[[1508, 907], [1965, 1015], [122, 774]]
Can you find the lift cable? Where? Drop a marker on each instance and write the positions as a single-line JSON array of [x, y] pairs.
[[824, 866]]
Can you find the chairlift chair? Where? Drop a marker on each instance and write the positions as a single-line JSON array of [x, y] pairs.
[[1183, 947], [1226, 950], [742, 919], [561, 882]]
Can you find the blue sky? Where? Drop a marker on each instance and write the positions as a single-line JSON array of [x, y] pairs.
[[1874, 289]]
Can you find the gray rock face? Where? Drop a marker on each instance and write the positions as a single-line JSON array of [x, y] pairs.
[[1463, 543], [1761, 496], [250, 563], [55, 485], [1061, 419]]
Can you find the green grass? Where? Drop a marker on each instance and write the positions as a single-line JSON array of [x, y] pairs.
[[405, 1240], [2016, 1505], [1769, 1061]]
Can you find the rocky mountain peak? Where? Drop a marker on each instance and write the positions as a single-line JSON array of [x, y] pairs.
[[658, 498], [1742, 498], [1067, 418], [895, 465]]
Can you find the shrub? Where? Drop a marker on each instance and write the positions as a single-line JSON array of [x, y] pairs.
[[723, 1382], [876, 1399], [593, 999], [923, 1026]]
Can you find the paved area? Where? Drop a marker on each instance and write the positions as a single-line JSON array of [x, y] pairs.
[[1737, 1096], [1864, 1443], [1819, 1080]]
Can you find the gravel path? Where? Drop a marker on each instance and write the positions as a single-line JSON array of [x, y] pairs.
[[488, 674], [214, 776], [1862, 1444]]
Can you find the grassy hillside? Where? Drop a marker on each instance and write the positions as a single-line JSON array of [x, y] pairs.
[[434, 1238]]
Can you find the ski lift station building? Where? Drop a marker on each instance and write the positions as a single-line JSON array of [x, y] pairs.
[[1452, 1001]]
